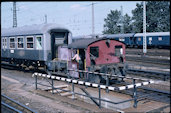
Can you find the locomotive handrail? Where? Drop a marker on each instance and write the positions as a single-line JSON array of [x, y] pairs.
[[119, 76]]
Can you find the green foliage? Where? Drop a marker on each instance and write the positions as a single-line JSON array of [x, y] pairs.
[[112, 23], [138, 18], [157, 16], [127, 24], [157, 19]]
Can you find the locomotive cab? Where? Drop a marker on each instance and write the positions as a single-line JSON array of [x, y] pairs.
[[102, 55]]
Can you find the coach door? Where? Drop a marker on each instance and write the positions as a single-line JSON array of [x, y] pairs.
[[57, 40]]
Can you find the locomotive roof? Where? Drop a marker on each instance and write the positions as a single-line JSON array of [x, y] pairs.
[[120, 35], [152, 34], [85, 42], [32, 29]]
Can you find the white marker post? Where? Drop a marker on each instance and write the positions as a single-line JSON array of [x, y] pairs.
[[144, 30]]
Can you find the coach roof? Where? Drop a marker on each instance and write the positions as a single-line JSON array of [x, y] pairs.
[[120, 35], [32, 29], [85, 42], [153, 34]]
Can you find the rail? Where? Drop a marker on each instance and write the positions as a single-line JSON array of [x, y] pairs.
[[163, 75], [73, 81], [14, 106]]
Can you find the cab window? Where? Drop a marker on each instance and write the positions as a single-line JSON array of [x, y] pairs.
[[94, 51], [118, 50]]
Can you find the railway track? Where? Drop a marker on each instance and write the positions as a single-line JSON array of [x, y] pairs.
[[146, 93], [150, 52], [154, 94], [143, 93], [8, 105], [164, 62], [163, 76], [150, 74]]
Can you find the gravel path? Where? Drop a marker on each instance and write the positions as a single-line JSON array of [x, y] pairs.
[[20, 87]]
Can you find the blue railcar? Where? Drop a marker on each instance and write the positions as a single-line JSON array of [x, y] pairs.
[[125, 38], [154, 39]]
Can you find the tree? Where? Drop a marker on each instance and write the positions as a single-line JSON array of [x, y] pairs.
[[138, 18], [113, 20], [110, 26], [157, 16], [128, 24]]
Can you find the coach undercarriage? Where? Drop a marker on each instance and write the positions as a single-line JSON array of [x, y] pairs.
[[22, 63]]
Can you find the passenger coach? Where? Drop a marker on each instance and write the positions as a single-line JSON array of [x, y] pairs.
[[127, 38], [33, 45], [156, 39]]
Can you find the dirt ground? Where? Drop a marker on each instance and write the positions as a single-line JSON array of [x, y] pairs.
[[20, 87]]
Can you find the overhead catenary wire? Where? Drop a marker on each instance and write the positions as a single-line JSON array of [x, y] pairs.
[[36, 18]]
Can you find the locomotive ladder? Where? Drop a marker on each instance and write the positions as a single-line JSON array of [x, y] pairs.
[[73, 81]]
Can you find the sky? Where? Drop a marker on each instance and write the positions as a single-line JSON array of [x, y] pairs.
[[76, 16]]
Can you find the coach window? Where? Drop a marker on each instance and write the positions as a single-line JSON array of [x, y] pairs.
[[30, 42], [2, 42], [160, 38], [5, 42], [150, 40], [20, 42], [139, 39], [118, 50], [121, 39], [38, 42], [12, 43], [94, 52]]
